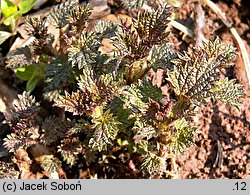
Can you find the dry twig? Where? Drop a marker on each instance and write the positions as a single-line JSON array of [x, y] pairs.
[[185, 29], [199, 24], [235, 34]]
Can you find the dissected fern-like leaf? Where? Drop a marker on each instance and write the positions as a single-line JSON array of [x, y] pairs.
[[143, 133], [53, 129], [58, 15], [182, 137], [78, 17], [86, 80], [108, 87], [69, 149], [126, 42], [13, 142], [36, 27], [24, 102], [134, 101], [196, 73], [51, 163], [151, 26], [220, 52], [105, 130], [58, 73], [20, 57], [44, 46], [133, 41], [102, 89], [77, 128], [83, 50], [161, 56], [91, 94], [79, 102], [228, 91], [25, 135], [25, 106], [105, 29], [72, 103], [150, 91], [137, 96], [122, 112], [153, 164], [7, 171], [133, 4]]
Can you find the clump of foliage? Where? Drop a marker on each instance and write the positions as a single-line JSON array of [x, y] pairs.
[[7, 171], [10, 14], [112, 112]]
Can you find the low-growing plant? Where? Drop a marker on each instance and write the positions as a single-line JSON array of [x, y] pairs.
[[113, 114], [10, 13]]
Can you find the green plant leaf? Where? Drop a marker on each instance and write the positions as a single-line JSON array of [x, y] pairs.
[[4, 36], [11, 20], [160, 56], [32, 82], [8, 8], [21, 57], [195, 73], [148, 90], [153, 163], [83, 50], [183, 137], [58, 15], [228, 91], [10, 13], [33, 74], [7, 171], [106, 130], [58, 73], [133, 4], [111, 112], [25, 73], [26, 5]]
